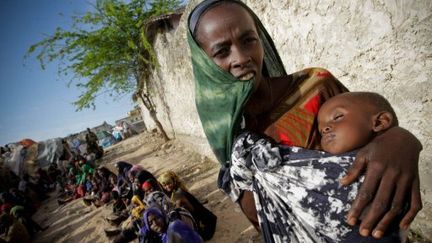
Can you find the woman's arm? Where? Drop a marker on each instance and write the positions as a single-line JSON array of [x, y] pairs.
[[392, 180]]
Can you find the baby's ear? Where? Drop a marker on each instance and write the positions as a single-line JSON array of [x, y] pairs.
[[382, 121]]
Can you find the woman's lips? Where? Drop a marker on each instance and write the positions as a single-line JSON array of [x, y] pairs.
[[247, 76]]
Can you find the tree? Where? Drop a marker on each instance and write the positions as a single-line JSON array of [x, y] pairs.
[[109, 49]]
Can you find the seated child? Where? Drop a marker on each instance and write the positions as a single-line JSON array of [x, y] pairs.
[[158, 228], [299, 198]]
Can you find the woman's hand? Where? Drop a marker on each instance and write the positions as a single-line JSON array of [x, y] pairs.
[[390, 183]]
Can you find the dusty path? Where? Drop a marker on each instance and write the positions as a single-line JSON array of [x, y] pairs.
[[76, 222]]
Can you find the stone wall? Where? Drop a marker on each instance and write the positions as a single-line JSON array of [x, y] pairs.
[[370, 45]]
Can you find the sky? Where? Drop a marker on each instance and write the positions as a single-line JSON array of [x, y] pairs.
[[37, 103]]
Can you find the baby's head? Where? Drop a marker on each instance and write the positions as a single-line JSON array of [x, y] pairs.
[[350, 120]]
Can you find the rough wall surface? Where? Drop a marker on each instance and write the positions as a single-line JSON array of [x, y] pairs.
[[383, 46]]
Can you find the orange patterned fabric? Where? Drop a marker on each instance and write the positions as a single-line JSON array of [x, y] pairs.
[[293, 121]]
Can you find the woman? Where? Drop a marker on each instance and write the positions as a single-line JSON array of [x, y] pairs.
[[13, 230], [171, 183], [84, 169], [102, 186], [150, 186], [124, 186], [157, 227], [178, 193], [138, 172], [137, 200], [241, 83]]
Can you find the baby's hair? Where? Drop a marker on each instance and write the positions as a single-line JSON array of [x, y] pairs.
[[376, 100]]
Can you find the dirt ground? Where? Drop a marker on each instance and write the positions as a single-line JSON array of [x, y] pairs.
[[75, 222]]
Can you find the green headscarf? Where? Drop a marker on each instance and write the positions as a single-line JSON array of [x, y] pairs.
[[219, 96]]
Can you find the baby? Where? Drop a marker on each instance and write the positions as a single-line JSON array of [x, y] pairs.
[[296, 190], [350, 120]]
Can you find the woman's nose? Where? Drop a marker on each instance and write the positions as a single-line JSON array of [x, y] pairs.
[[240, 58]]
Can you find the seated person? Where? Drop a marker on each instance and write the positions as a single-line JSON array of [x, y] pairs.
[[119, 206], [130, 232], [150, 186], [123, 184], [136, 201], [104, 182], [12, 230], [84, 169], [89, 184], [204, 218], [158, 228], [297, 191]]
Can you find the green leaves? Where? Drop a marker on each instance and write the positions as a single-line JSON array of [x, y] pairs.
[[107, 48]]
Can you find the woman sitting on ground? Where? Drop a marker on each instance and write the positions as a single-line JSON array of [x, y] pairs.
[[103, 185], [123, 185], [14, 231], [158, 227], [150, 186], [153, 199], [204, 218]]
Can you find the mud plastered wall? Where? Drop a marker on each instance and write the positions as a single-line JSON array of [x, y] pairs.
[[370, 45]]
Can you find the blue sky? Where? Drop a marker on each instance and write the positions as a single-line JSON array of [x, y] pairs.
[[36, 103]]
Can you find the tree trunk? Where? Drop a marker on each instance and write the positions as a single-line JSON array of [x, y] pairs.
[[147, 103], [159, 125]]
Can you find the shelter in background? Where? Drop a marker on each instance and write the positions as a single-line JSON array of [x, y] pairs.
[[134, 118], [103, 127]]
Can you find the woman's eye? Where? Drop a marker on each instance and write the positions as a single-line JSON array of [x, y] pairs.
[[221, 52], [250, 40]]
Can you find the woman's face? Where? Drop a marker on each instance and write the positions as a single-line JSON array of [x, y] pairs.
[[228, 35], [156, 223], [148, 190], [168, 186]]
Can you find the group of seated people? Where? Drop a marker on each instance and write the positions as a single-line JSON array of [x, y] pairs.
[[153, 210], [157, 210], [80, 179], [160, 210], [21, 197], [19, 200]]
